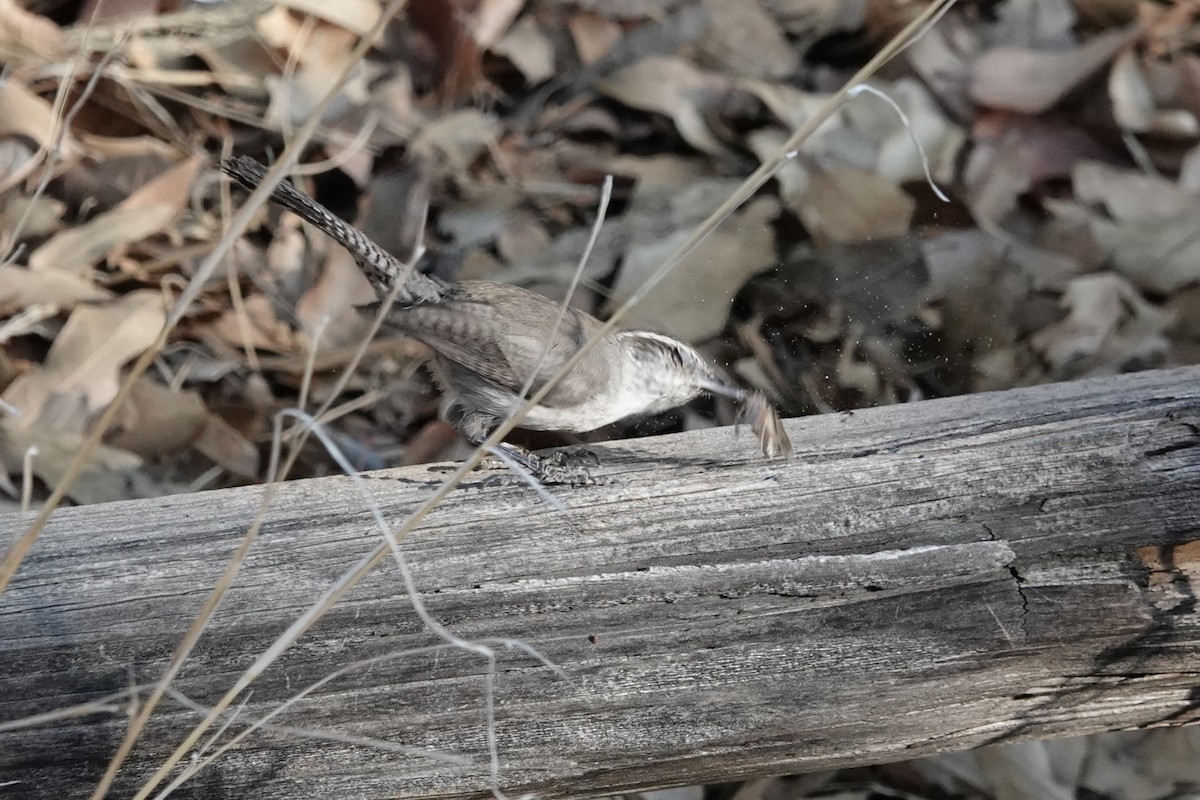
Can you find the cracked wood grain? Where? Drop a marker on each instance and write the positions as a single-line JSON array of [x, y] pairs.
[[923, 578]]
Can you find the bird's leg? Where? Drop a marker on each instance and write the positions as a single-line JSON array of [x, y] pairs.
[[547, 470], [476, 427]]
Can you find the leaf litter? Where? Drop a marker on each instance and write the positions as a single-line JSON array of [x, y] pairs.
[[1066, 135]]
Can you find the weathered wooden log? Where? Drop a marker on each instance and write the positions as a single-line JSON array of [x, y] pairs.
[[922, 578]]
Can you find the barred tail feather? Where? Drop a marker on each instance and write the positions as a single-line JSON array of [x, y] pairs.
[[380, 266]]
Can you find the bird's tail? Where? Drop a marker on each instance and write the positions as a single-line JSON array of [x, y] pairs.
[[382, 268]]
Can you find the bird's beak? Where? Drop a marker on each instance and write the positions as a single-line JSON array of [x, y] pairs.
[[725, 390]]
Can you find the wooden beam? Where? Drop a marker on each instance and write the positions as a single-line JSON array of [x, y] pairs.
[[922, 578]]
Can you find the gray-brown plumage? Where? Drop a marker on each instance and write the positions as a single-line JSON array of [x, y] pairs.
[[492, 341]]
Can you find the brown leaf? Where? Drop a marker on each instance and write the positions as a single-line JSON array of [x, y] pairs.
[[1128, 195], [328, 310], [457, 69], [811, 20], [81, 371], [1149, 231], [454, 140], [24, 113], [528, 49], [159, 421], [221, 442], [593, 35], [143, 213], [743, 40], [1160, 254], [1109, 329], [145, 147], [356, 16], [693, 301], [629, 9], [76, 250], [42, 216], [1033, 81], [320, 52], [170, 188], [492, 18], [261, 325], [20, 287], [523, 238], [24, 31], [111, 11], [852, 205], [1012, 153], [108, 474], [673, 87]]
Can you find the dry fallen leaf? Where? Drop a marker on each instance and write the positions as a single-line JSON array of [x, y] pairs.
[[170, 189], [792, 106], [1158, 254], [1109, 328], [158, 421], [491, 19], [20, 287], [1136, 107], [1149, 231], [1033, 81], [356, 16], [593, 35], [258, 321], [1128, 195], [674, 87], [452, 141], [82, 369], [852, 205], [522, 238], [530, 50], [743, 40], [811, 20], [898, 157], [226, 446], [22, 31], [327, 310], [1012, 153], [76, 250], [145, 212], [36, 216], [26, 114], [109, 473], [692, 302], [319, 52]]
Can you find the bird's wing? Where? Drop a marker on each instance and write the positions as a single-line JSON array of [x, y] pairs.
[[499, 333]]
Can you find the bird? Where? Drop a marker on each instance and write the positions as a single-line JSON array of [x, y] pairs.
[[494, 344]]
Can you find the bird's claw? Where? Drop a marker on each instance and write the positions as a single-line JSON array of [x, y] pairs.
[[563, 476], [573, 456]]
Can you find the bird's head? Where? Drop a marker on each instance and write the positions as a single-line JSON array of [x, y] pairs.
[[667, 372]]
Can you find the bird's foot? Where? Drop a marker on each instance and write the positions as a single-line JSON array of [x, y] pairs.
[[555, 469], [569, 476], [573, 457]]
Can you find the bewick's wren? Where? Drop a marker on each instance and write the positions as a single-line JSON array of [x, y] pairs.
[[490, 338]]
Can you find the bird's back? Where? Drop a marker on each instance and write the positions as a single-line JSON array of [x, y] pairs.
[[500, 333]]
